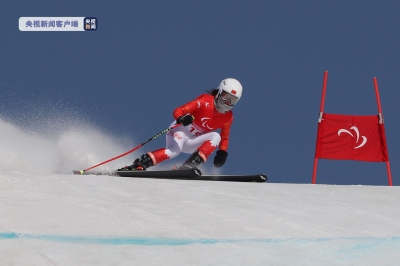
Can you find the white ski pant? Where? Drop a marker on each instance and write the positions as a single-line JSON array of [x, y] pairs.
[[180, 140]]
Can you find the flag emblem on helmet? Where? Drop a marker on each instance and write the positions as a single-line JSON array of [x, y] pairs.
[[233, 92]]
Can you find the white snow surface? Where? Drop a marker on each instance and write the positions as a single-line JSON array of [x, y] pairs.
[[60, 219], [48, 216]]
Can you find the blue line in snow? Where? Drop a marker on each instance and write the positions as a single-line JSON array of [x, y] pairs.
[[8, 235], [363, 242]]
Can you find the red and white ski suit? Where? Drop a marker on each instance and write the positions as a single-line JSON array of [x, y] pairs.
[[200, 134]]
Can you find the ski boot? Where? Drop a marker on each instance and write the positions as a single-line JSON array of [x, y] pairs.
[[141, 163], [194, 161]]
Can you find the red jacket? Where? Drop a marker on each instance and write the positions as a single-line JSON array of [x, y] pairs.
[[206, 118]]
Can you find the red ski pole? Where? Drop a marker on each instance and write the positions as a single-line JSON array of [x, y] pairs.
[[130, 151]]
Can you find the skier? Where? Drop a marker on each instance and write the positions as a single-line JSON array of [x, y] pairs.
[[196, 136]]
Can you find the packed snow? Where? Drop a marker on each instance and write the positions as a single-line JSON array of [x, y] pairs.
[[48, 216]]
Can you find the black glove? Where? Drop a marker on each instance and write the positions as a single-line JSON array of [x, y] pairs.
[[220, 158], [185, 120]]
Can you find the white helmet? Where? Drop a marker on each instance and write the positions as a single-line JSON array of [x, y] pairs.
[[229, 93]]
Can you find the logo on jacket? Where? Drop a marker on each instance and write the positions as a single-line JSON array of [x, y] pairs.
[[175, 134], [204, 121], [364, 139]]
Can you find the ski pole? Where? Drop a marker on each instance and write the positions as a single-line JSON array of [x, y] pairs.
[[130, 151]]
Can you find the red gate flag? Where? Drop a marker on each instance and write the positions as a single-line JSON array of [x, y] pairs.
[[349, 137]]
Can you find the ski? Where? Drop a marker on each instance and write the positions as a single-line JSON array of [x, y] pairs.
[[90, 172], [235, 178], [191, 174], [168, 174]]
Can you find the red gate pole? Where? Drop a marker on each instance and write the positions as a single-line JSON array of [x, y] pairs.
[[321, 111], [378, 100]]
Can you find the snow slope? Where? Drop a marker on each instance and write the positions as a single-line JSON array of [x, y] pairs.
[[61, 219], [50, 217]]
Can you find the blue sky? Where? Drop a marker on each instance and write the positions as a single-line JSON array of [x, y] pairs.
[[147, 58]]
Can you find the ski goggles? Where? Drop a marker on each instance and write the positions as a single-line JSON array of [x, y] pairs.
[[228, 99]]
